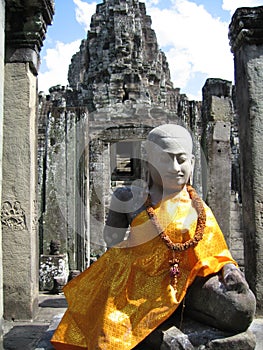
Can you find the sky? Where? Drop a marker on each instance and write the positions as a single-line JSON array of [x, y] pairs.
[[193, 34]]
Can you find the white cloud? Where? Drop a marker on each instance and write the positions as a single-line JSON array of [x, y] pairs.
[[194, 42], [232, 5], [151, 2], [197, 96], [57, 61], [84, 11]]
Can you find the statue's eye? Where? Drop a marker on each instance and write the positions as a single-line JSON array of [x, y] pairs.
[[181, 158]]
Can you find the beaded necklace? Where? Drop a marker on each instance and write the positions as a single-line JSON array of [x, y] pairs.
[[179, 247]]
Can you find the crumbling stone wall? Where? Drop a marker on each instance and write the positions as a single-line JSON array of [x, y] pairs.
[[123, 124]]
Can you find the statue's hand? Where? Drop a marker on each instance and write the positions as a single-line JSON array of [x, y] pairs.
[[233, 279]]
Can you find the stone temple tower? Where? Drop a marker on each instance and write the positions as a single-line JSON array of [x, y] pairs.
[[121, 60]]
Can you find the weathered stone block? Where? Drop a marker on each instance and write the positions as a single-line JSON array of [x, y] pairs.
[[222, 131], [242, 341]]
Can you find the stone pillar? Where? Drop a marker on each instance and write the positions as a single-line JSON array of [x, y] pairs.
[[55, 214], [25, 30], [216, 117], [54, 265], [246, 40], [77, 151], [98, 153], [2, 49], [82, 200], [63, 181]]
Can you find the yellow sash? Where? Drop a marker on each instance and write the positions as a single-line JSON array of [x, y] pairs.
[[126, 294]]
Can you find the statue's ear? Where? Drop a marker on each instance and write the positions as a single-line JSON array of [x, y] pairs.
[[191, 177]]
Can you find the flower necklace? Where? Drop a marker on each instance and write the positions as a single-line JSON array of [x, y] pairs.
[[179, 247]]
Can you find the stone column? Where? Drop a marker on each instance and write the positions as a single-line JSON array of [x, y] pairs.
[[63, 192], [216, 118], [25, 30], [2, 49], [55, 215], [246, 40], [99, 166]]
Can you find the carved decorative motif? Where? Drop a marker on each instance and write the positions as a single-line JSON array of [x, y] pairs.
[[27, 23], [246, 27], [13, 216]]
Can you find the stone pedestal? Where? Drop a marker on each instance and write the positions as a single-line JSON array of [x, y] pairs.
[[246, 40]]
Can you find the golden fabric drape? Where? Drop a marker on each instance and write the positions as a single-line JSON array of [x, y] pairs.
[[126, 294]]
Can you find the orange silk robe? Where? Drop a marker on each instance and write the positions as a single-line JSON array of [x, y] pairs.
[[126, 294]]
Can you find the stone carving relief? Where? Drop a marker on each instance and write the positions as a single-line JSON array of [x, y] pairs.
[[13, 216]]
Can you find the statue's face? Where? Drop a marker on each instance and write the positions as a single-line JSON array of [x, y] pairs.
[[171, 169]]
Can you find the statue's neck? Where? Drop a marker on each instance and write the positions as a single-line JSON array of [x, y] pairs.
[[158, 193]]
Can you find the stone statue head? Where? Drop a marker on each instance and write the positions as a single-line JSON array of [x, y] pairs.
[[54, 247], [170, 159]]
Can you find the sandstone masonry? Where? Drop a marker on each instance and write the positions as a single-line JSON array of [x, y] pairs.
[[246, 39]]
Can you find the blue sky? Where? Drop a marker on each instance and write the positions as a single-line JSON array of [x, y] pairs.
[[193, 34]]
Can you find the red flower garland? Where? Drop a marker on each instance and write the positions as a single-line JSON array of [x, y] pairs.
[[192, 242]]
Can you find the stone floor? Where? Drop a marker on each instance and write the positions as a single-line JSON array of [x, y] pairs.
[[35, 335]]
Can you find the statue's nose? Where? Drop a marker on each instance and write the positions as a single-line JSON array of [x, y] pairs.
[[175, 165]]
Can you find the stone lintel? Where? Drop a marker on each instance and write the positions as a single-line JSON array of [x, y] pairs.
[[246, 27], [26, 24]]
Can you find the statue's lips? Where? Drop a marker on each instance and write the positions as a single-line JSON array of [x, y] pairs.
[[174, 176]]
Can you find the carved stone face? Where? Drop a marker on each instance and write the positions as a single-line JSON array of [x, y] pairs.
[[170, 170], [170, 158]]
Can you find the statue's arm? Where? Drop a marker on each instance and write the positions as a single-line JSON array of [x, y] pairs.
[[117, 221]]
